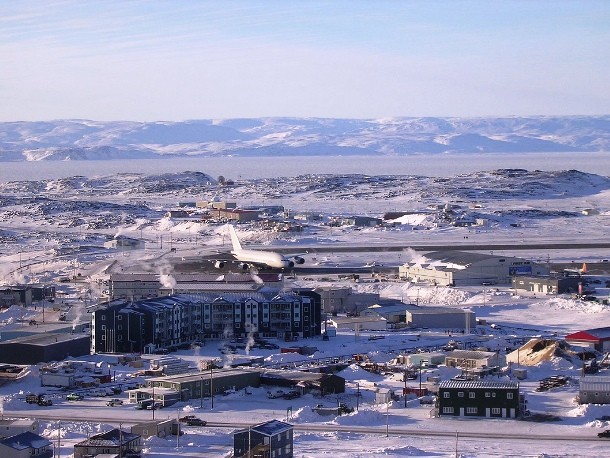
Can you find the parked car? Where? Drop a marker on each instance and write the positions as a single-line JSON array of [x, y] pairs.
[[192, 420], [97, 393], [114, 402], [74, 397], [605, 433], [154, 406]]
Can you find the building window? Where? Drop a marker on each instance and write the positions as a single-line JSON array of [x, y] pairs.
[[446, 394], [103, 327], [472, 395], [120, 317], [472, 410], [460, 394], [103, 337], [509, 395], [487, 394], [103, 317], [493, 395], [447, 409], [495, 411]]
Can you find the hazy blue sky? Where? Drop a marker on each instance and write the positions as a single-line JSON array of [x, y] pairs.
[[187, 59]]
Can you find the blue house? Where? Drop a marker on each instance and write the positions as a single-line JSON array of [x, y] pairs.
[[273, 439]]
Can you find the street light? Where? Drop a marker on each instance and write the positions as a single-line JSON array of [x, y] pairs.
[[357, 395], [201, 393]]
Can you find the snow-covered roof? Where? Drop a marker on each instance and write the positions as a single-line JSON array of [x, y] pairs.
[[25, 440], [462, 258], [112, 438], [467, 384], [470, 354], [199, 278], [271, 428]]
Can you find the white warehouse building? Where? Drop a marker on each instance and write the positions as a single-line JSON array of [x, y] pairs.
[[453, 268]]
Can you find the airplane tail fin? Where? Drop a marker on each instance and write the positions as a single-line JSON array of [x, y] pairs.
[[234, 239]]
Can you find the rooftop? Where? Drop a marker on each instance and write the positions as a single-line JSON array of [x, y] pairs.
[[46, 338], [112, 438], [462, 258], [273, 427], [468, 384], [596, 333], [25, 440], [470, 354]]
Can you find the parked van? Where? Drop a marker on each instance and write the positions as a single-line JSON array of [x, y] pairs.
[[144, 403]]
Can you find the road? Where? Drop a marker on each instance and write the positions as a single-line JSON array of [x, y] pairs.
[[441, 430]]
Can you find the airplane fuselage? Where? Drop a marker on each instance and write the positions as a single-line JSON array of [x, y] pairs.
[[263, 258]]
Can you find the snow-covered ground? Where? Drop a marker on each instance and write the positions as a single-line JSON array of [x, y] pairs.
[[56, 229]]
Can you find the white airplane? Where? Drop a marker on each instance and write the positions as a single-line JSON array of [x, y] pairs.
[[259, 258]]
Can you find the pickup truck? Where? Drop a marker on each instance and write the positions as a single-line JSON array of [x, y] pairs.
[[74, 397], [114, 402]]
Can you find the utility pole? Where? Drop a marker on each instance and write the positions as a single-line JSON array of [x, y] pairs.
[[387, 419], [404, 392], [212, 387], [120, 440], [59, 439], [178, 428]]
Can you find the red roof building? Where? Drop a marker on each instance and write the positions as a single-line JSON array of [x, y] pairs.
[[598, 339]]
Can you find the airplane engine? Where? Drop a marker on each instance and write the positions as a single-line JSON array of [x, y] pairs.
[[290, 264], [219, 264], [244, 266], [299, 260]]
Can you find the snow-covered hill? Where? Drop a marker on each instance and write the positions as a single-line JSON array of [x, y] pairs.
[[82, 139]]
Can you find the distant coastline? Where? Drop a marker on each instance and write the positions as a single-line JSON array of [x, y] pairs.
[[236, 168]]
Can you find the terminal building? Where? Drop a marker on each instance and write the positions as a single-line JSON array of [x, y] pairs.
[[147, 285], [462, 268]]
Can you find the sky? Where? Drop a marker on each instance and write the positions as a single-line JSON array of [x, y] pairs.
[[151, 60]]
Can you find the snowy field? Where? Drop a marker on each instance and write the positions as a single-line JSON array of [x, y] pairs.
[[55, 228]]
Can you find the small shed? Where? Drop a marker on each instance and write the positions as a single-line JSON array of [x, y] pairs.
[[428, 358], [12, 427], [470, 359], [594, 390], [161, 428]]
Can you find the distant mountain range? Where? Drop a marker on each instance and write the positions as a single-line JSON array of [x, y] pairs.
[[86, 140]]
